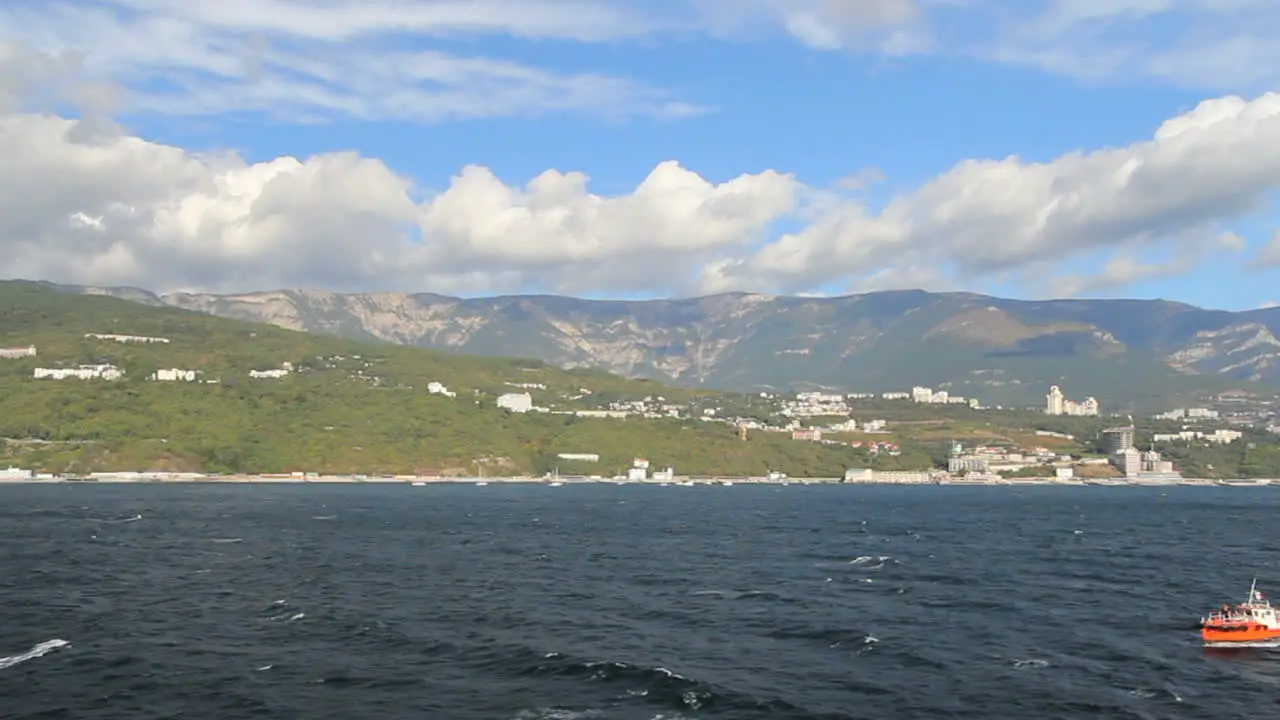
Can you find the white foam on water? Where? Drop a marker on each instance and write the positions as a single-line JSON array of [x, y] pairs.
[[1144, 693], [693, 699], [552, 713], [1261, 644], [43, 648]]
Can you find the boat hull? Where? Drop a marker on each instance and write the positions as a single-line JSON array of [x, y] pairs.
[[1239, 636]]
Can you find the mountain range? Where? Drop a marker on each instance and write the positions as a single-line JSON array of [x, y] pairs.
[[338, 405], [1127, 353]]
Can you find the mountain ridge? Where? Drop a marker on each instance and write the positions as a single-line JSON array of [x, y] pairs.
[[998, 349], [328, 404]]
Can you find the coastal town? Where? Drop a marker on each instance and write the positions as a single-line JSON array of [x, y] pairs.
[[825, 417]]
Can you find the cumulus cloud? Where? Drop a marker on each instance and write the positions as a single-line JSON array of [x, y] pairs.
[[112, 208], [123, 210], [1216, 162], [133, 212], [82, 201]]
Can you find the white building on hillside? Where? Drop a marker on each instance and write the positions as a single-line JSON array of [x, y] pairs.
[[437, 388], [14, 353], [1188, 414], [516, 402], [284, 369], [173, 375], [276, 373], [143, 339], [84, 372], [1221, 436]]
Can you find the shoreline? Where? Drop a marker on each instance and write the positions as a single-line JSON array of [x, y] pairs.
[[194, 479]]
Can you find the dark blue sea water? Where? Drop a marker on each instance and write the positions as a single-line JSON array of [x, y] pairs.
[[640, 603]]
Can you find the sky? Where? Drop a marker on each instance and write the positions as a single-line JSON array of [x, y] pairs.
[[645, 148]]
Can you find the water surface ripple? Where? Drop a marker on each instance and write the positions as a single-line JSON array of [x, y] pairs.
[[128, 602]]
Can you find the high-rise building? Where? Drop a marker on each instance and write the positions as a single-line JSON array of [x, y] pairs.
[[1117, 439], [1054, 402]]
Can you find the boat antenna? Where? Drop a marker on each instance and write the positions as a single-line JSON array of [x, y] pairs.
[[1253, 590]]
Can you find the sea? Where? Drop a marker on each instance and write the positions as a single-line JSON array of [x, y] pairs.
[[516, 602]]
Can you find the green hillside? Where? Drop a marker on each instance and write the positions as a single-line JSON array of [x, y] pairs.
[[347, 407], [1132, 355]]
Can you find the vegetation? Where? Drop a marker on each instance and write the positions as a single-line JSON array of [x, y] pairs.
[[932, 429], [1257, 454], [350, 407], [357, 407], [1003, 352]]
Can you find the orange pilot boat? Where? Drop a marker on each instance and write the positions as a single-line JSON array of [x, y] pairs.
[[1252, 622]]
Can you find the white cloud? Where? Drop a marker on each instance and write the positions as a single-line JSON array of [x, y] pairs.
[[307, 60], [587, 20], [890, 27], [841, 24], [110, 208], [1216, 162], [1219, 45], [1127, 267], [1269, 255], [365, 59], [81, 201]]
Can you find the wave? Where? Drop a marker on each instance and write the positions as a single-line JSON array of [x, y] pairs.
[[36, 651], [655, 684]]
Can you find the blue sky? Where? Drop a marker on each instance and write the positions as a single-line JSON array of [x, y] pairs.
[[823, 146]]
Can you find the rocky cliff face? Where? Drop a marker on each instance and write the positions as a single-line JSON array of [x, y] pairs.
[[971, 344]]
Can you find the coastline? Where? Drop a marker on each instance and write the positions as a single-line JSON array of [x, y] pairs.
[[678, 481]]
